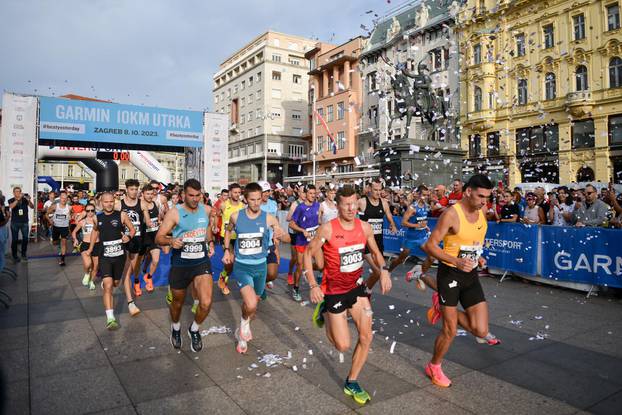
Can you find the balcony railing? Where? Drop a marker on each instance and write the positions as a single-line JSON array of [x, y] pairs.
[[579, 96]]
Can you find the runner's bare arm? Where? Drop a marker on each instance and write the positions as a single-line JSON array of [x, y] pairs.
[[170, 221], [227, 258], [385, 277], [431, 247], [210, 234], [145, 209], [291, 211], [387, 210], [323, 234], [278, 233], [127, 222], [362, 204], [74, 234], [405, 219]]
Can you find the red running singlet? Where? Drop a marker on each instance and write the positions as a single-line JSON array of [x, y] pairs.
[[343, 258]]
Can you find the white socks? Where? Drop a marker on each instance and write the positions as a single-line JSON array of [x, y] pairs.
[[196, 302], [110, 314], [244, 323], [194, 326], [176, 326]]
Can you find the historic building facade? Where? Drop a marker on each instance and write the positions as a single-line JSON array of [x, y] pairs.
[[541, 89], [412, 36]]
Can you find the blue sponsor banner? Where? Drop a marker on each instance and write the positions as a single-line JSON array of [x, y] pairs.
[[512, 247], [105, 122], [393, 242], [582, 255]]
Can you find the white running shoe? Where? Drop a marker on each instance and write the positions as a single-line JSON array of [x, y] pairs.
[[241, 347], [490, 339], [133, 309], [245, 332], [86, 279], [269, 285]]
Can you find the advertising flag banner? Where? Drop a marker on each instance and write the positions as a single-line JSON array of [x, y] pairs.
[[216, 153]]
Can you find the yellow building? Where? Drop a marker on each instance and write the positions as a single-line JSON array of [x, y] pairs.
[[541, 89]]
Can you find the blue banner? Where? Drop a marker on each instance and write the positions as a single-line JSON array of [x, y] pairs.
[[105, 122], [393, 242], [583, 255], [512, 247]]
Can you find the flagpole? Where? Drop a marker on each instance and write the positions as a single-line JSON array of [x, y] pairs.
[[313, 143]]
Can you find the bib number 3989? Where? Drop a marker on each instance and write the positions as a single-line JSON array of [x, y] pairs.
[[351, 258]]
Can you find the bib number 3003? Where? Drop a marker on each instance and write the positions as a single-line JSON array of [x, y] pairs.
[[351, 258]]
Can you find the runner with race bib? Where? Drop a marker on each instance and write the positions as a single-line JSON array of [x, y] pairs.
[[61, 214], [192, 247], [151, 224], [343, 242]]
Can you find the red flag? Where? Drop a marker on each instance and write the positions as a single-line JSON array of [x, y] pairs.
[[330, 135]]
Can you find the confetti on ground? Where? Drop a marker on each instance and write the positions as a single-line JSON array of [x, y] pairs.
[[216, 330], [392, 347]]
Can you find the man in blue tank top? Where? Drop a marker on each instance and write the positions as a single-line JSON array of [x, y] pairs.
[[252, 227], [192, 247]]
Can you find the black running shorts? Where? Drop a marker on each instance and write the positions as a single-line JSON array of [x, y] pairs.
[[379, 242], [135, 245], [84, 246], [112, 267], [456, 286], [272, 255], [58, 233], [148, 243], [338, 303], [180, 278]]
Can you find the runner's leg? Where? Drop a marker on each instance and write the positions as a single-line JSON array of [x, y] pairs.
[[400, 259], [362, 317], [202, 288], [447, 334]]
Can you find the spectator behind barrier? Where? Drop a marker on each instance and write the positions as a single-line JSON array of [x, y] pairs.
[[590, 210]]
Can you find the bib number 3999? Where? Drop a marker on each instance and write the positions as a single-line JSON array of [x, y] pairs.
[[351, 258], [193, 248]]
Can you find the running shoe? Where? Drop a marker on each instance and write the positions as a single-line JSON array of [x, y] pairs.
[[169, 296], [296, 295], [290, 279], [415, 274], [269, 285], [148, 283], [137, 291], [222, 283], [133, 309], [25, 258], [490, 339], [434, 312], [318, 315], [194, 308], [86, 279], [353, 389], [196, 344], [241, 346], [92, 286], [111, 324], [176, 338], [61, 260], [436, 375]]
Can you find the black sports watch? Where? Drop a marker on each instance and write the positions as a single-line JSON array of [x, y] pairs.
[[385, 267]]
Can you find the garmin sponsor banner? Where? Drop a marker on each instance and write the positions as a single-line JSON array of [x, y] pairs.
[[17, 144], [216, 153], [583, 255], [105, 122]]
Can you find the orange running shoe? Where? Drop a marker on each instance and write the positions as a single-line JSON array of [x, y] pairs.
[[148, 283], [290, 279], [436, 375], [222, 283], [434, 312], [137, 289]]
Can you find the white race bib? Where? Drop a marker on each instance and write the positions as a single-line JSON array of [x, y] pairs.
[[351, 258], [193, 248], [250, 243], [376, 225], [155, 227], [473, 252], [311, 231], [113, 249]]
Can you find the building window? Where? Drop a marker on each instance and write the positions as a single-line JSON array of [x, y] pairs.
[[242, 119], [320, 143], [242, 102], [371, 82], [297, 79], [520, 45], [579, 26], [493, 144], [436, 56], [615, 129], [491, 100], [320, 112], [276, 112], [296, 150], [581, 78], [549, 86], [583, 134], [276, 75], [477, 99], [615, 72], [294, 61], [477, 54], [70, 170], [123, 174], [250, 81], [537, 139], [329, 113], [475, 146], [445, 58], [276, 93], [341, 140], [276, 57], [250, 116], [243, 85], [250, 98], [549, 36], [258, 76], [258, 94], [613, 17], [340, 110], [522, 92], [296, 115]]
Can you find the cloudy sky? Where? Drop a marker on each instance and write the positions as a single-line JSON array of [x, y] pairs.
[[153, 52]]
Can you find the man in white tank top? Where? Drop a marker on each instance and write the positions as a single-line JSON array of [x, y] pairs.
[[61, 213], [328, 208]]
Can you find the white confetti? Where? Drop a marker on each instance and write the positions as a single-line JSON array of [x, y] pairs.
[[392, 347]]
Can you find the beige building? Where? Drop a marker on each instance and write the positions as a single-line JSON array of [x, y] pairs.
[[541, 89], [264, 89], [335, 92]]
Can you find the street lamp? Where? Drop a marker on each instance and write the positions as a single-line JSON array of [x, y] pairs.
[[313, 148]]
